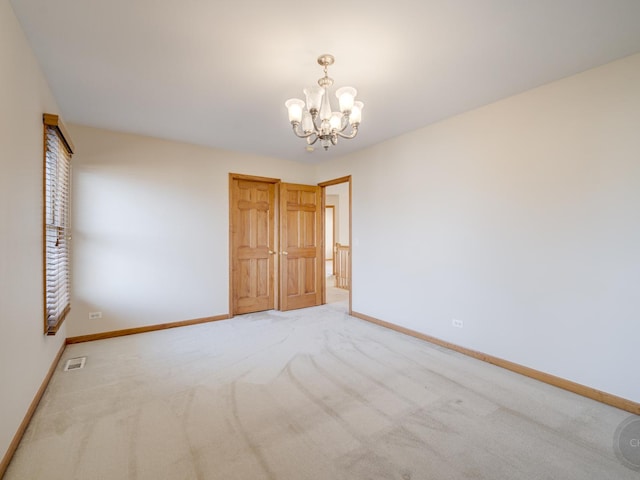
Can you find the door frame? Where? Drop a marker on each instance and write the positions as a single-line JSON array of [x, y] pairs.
[[328, 183]]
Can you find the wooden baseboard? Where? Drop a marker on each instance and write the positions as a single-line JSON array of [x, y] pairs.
[[149, 328], [13, 446], [592, 393]]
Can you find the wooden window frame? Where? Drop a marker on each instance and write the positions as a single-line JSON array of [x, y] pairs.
[[58, 222]]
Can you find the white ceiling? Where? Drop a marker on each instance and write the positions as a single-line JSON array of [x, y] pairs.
[[217, 73]]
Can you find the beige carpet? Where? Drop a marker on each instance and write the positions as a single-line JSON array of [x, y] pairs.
[[336, 295], [309, 394]]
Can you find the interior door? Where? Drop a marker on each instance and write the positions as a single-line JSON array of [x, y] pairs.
[[252, 245], [301, 241]]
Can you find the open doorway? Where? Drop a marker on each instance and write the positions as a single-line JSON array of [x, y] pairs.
[[337, 203]]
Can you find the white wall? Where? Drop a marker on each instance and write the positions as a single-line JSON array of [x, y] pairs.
[[338, 195], [150, 228], [521, 219], [330, 224], [25, 352]]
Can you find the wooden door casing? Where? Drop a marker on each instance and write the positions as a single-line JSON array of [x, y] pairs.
[[301, 243], [253, 244]]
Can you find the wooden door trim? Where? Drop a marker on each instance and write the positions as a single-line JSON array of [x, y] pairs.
[[251, 178], [335, 181], [323, 261]]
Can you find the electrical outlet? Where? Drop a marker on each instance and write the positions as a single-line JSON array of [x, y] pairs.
[[95, 315], [457, 323]]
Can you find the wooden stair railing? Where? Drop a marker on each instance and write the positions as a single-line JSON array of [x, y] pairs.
[[343, 273]]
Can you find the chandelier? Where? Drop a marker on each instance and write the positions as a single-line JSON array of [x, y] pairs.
[[316, 120]]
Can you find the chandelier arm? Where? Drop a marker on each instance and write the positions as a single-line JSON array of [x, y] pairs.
[[316, 128], [314, 140], [298, 134], [353, 133]]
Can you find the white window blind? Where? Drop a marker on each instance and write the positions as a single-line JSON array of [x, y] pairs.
[[57, 224]]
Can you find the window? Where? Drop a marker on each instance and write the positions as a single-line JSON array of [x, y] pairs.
[[57, 234]]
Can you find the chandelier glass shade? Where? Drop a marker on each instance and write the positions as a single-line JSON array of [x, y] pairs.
[[316, 120]]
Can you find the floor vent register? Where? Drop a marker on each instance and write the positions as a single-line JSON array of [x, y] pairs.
[[75, 363]]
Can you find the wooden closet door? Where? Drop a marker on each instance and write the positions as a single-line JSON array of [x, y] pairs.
[[300, 246], [252, 245]]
